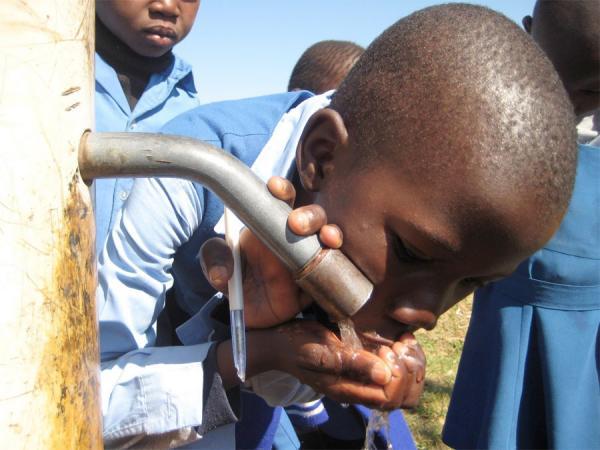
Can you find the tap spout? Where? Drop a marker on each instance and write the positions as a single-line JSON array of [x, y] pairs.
[[333, 281]]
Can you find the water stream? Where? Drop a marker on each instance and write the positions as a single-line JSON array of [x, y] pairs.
[[379, 419]]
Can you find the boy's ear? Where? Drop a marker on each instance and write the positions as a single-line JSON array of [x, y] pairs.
[[323, 136], [527, 21]]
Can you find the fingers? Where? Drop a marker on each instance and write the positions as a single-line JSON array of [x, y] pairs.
[[346, 391], [390, 378], [216, 261], [282, 189], [340, 362], [411, 353], [363, 365], [413, 359], [391, 358], [331, 236], [307, 220]]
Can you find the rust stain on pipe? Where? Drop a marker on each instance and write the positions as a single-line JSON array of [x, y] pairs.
[[330, 275], [69, 370]]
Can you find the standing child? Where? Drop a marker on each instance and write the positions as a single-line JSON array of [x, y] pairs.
[[140, 83], [396, 185], [530, 369]]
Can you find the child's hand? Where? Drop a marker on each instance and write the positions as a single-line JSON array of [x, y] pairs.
[[305, 220], [391, 379], [387, 379], [271, 296]]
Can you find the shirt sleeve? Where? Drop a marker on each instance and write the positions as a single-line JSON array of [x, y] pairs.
[[148, 390], [281, 389]]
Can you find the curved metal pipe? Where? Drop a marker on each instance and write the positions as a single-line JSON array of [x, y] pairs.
[[342, 292]]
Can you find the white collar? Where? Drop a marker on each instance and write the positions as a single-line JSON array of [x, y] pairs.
[[279, 153], [585, 131]]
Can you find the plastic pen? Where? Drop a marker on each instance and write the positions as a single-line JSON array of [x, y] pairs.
[[236, 295]]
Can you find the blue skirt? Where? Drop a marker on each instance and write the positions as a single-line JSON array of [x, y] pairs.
[[529, 376]]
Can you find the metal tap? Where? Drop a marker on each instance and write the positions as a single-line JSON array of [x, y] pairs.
[[326, 274]]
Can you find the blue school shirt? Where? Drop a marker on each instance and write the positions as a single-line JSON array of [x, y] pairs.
[[134, 275], [148, 389], [167, 95], [529, 375]]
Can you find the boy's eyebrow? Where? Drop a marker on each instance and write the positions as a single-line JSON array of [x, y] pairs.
[[440, 241]]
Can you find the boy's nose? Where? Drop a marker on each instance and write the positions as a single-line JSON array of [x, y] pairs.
[[422, 301], [168, 8]]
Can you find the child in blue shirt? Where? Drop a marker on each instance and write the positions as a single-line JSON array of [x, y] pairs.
[[140, 83], [530, 369]]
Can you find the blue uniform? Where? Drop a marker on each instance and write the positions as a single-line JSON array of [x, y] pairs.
[[148, 389], [156, 238], [529, 376], [167, 95]]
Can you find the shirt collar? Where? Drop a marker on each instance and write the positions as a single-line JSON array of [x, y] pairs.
[[179, 72], [585, 131], [182, 73], [279, 153]]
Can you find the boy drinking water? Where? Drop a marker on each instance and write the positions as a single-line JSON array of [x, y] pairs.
[[447, 92]]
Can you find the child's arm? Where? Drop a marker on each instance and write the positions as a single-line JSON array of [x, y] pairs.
[[150, 390]]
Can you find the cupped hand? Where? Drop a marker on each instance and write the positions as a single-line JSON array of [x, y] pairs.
[[388, 379]]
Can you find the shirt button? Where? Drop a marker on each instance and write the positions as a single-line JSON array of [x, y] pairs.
[[133, 125], [123, 195]]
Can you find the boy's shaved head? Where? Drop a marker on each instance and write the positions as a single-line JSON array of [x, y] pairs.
[[447, 157], [324, 65], [460, 86]]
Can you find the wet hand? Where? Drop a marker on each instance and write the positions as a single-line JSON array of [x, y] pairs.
[[407, 362], [392, 378]]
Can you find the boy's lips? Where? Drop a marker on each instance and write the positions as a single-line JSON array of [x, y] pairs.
[[374, 338], [161, 36]]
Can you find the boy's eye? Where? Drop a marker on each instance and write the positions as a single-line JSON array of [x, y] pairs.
[[404, 252]]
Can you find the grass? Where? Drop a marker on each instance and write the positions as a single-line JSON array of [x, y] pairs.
[[442, 347]]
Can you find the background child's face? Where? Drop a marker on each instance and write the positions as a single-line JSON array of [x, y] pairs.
[[424, 246], [149, 27]]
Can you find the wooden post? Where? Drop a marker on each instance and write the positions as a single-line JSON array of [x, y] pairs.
[[49, 369]]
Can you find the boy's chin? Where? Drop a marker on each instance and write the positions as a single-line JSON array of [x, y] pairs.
[[154, 47]]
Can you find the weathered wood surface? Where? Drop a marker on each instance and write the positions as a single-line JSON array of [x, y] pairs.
[[49, 369]]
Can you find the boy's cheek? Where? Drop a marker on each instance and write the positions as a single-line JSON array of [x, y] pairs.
[[369, 251]]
